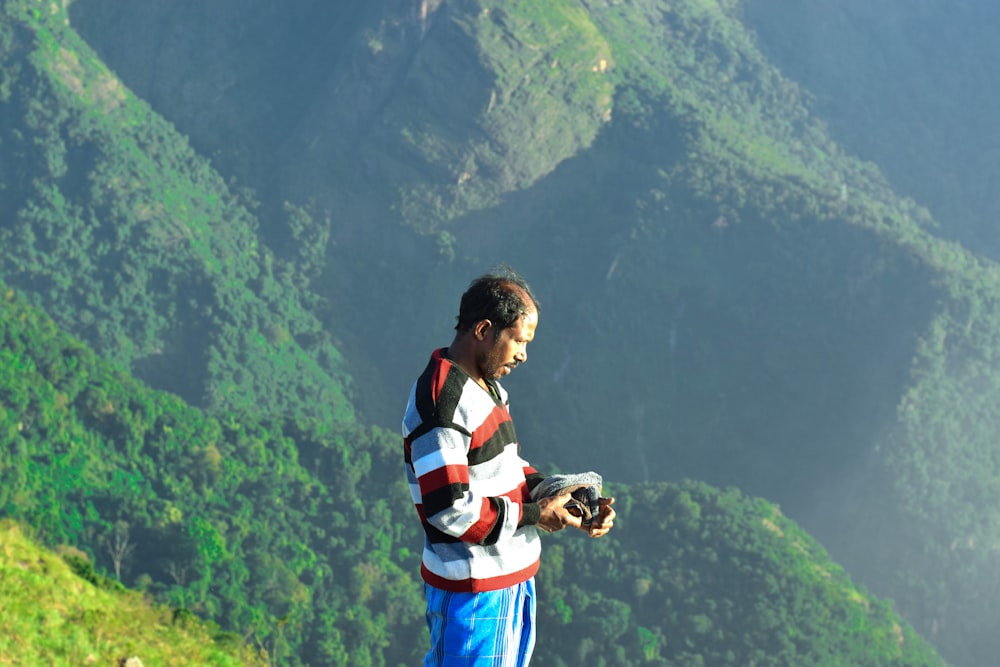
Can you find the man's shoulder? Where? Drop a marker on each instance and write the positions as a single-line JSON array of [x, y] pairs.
[[445, 395], [441, 385]]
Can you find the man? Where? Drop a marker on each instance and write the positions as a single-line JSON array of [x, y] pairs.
[[472, 489]]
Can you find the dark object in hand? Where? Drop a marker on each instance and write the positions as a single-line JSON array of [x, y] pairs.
[[585, 503]]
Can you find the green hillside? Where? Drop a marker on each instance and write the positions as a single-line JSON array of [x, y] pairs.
[[51, 615], [258, 524]]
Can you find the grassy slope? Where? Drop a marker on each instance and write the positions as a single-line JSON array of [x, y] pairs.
[[51, 616]]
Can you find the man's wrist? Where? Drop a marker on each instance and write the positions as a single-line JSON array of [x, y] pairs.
[[530, 514]]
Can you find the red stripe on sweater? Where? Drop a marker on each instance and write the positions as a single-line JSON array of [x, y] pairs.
[[478, 531], [488, 428], [441, 477], [440, 375], [479, 585]]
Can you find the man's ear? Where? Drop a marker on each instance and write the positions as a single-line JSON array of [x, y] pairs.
[[482, 329]]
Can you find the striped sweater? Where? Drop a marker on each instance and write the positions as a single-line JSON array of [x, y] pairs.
[[469, 483]]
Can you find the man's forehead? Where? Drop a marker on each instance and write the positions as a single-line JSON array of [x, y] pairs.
[[522, 294]]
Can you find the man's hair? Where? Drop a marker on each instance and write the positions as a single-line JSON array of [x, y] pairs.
[[497, 296]]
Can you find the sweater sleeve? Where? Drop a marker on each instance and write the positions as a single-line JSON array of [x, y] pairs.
[[530, 511], [440, 468], [530, 514], [532, 477]]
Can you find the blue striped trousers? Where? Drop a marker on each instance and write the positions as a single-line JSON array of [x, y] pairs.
[[488, 629]]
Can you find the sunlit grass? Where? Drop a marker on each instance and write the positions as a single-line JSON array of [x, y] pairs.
[[51, 616]]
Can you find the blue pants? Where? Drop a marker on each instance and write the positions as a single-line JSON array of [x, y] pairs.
[[490, 629]]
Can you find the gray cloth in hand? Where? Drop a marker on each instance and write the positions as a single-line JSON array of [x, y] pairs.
[[585, 488]]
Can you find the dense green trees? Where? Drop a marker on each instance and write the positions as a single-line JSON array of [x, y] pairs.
[[712, 577], [300, 536], [131, 240], [260, 525]]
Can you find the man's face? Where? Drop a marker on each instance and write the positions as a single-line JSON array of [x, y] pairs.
[[509, 349]]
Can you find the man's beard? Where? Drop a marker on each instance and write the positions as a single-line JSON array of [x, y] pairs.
[[493, 367]]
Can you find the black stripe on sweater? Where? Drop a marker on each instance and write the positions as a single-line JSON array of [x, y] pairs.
[[449, 398], [494, 534], [441, 499], [424, 397], [495, 446], [435, 536]]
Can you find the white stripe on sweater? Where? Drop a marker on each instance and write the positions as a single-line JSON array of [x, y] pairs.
[[438, 448]]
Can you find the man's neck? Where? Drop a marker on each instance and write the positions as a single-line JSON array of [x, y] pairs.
[[461, 354]]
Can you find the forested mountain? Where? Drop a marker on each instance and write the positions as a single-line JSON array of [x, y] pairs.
[[124, 234], [728, 296]]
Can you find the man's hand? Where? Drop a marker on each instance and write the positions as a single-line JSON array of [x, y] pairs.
[[555, 516], [604, 521]]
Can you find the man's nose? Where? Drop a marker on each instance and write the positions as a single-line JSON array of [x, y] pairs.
[[521, 356]]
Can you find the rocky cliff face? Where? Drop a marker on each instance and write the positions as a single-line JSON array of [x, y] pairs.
[[453, 103]]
